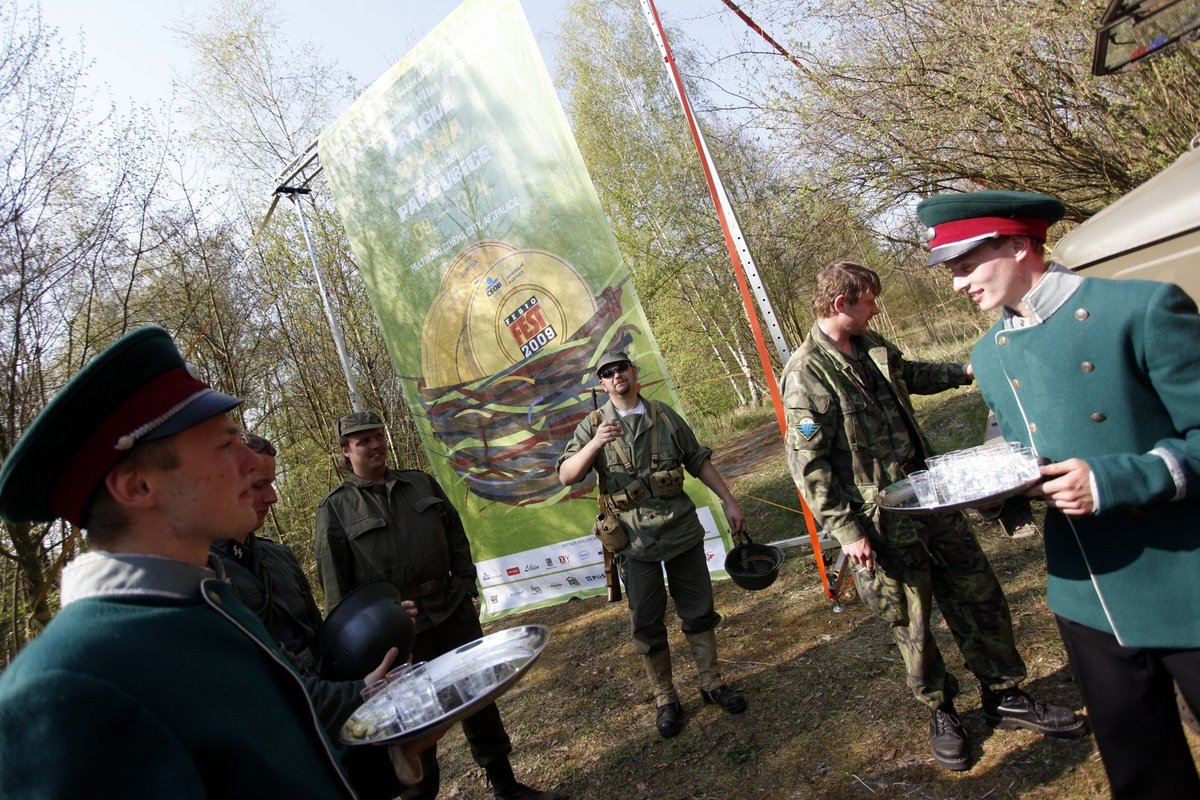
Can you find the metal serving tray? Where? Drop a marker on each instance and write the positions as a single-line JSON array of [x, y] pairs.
[[902, 499], [508, 654]]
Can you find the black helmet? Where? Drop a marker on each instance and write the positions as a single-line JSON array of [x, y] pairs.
[[753, 566], [361, 628]]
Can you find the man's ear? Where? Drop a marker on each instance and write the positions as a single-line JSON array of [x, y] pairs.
[[1021, 246], [840, 303], [129, 485]]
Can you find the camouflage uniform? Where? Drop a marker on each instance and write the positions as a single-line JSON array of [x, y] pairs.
[[851, 432]]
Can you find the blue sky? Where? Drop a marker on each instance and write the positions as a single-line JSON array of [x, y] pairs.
[[134, 52]]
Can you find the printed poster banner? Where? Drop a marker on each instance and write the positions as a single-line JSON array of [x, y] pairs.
[[497, 284]]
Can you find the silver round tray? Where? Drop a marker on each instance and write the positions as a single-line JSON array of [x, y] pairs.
[[508, 654], [902, 499]]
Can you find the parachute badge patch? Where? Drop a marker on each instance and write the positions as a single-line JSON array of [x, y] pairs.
[[808, 428]]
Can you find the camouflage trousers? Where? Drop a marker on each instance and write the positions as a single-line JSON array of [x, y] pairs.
[[920, 559]]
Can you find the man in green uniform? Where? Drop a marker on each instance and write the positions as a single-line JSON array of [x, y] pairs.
[[852, 432], [1101, 379], [399, 526], [153, 680], [640, 448]]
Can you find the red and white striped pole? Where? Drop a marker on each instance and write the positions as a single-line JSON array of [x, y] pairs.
[[743, 268]]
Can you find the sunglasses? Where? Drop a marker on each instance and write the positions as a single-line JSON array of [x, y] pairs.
[[609, 371]]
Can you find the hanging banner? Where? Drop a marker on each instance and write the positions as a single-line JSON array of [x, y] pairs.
[[497, 283]]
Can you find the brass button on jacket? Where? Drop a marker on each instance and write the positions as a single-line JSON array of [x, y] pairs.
[[1081, 314], [1087, 366], [1098, 417]]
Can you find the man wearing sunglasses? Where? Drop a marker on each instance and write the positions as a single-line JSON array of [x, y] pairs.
[[639, 448]]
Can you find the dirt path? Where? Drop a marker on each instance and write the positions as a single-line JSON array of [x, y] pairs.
[[748, 452]]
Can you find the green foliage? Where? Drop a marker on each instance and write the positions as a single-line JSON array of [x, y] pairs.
[[105, 226]]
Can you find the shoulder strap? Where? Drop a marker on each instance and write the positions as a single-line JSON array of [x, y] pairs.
[[595, 417], [655, 410]]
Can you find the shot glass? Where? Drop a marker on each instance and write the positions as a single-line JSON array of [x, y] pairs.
[[922, 484], [413, 696], [472, 679], [378, 718]]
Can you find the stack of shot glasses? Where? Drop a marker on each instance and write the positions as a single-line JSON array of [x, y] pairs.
[[410, 700], [413, 699], [973, 474]]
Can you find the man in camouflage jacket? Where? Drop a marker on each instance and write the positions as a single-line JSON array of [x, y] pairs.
[[851, 433]]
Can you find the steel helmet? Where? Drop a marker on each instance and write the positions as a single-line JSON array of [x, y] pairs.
[[361, 628], [753, 566]]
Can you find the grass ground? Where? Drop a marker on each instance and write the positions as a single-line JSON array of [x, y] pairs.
[[830, 715]]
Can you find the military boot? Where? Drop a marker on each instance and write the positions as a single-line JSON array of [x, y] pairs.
[[947, 738], [712, 688], [1012, 708], [669, 716], [505, 785]]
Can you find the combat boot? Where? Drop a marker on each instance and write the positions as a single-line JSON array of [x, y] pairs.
[[669, 714], [947, 738], [1012, 709], [505, 785], [712, 688]]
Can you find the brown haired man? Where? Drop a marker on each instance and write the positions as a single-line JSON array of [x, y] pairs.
[[851, 432]]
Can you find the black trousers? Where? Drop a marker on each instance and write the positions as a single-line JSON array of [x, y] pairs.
[[484, 729], [1130, 697], [690, 586]]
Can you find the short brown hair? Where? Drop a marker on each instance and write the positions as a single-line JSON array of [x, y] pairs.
[[843, 278], [259, 444], [103, 518]]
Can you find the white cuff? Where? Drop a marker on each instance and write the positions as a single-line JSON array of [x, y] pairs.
[[1176, 469]]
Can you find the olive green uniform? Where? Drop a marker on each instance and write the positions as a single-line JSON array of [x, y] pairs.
[[852, 432], [406, 531], [662, 529]]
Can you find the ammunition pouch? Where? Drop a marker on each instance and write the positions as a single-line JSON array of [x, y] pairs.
[[667, 482], [632, 496], [611, 533], [664, 483]]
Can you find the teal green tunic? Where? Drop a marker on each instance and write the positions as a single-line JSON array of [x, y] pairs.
[[1111, 375], [136, 693]]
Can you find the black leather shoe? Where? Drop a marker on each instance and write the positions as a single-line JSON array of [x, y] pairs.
[[1014, 709], [519, 791], [729, 699], [947, 739], [670, 720]]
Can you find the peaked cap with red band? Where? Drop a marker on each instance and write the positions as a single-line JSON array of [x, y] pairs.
[[958, 223], [137, 389]]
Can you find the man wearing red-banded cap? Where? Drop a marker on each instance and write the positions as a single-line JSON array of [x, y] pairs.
[[153, 680], [1102, 379]]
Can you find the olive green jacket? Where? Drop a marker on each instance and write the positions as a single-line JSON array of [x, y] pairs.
[[411, 535], [661, 527], [841, 446]]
